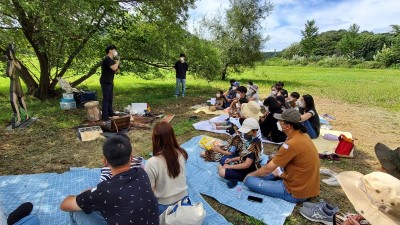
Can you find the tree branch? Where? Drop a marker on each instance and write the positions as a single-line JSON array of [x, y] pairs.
[[86, 76], [157, 65], [76, 52]]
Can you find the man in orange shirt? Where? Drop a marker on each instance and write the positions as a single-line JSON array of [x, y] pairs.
[[297, 177]]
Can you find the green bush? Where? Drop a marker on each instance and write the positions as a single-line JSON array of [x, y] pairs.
[[370, 65]]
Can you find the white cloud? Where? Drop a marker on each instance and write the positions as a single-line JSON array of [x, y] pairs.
[[288, 18]]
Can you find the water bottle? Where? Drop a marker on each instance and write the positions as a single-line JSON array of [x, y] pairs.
[[239, 190]]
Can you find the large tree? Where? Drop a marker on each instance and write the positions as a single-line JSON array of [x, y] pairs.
[[309, 40], [57, 32], [238, 35], [351, 43]]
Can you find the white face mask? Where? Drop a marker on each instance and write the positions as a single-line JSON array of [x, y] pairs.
[[115, 53], [218, 95], [273, 92], [234, 88], [237, 95], [266, 108], [279, 126]]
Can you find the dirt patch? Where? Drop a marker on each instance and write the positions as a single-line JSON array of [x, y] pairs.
[[368, 125]]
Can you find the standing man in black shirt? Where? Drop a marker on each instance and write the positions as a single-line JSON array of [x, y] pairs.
[[181, 67], [108, 68], [127, 198]]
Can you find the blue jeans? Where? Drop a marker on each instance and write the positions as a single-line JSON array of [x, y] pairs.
[[310, 130], [178, 84], [107, 109], [81, 218], [274, 188]]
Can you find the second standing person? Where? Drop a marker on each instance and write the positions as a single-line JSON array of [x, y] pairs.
[[181, 67]]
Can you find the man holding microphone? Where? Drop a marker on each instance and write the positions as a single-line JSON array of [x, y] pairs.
[[108, 68]]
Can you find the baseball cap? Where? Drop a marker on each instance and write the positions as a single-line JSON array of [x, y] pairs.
[[248, 125], [289, 115]]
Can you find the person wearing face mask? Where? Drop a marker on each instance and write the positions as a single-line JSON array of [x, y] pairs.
[[309, 117], [279, 87], [220, 103], [270, 126], [298, 156], [232, 93], [181, 67], [235, 169], [294, 101], [108, 68], [274, 92], [252, 92], [240, 97]]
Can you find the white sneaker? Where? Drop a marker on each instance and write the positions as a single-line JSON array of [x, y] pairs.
[[327, 172], [331, 181]]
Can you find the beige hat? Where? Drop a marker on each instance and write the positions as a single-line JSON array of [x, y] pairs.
[[251, 110], [248, 125], [376, 196]]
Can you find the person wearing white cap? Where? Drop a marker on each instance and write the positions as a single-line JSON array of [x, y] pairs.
[[375, 196], [235, 169], [299, 159]]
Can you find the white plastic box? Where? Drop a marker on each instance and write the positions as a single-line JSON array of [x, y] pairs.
[[67, 105], [68, 96]]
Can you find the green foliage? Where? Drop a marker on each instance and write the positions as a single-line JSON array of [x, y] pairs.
[[309, 40], [292, 50], [326, 42], [64, 35], [238, 36], [351, 42], [387, 56]]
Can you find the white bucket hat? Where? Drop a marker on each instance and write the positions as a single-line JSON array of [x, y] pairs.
[[376, 196]]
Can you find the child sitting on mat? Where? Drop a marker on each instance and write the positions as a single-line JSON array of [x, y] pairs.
[[220, 103], [248, 159], [220, 153]]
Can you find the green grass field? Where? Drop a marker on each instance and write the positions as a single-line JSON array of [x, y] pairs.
[[50, 144]]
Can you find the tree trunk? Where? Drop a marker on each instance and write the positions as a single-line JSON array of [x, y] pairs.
[[224, 71], [30, 83], [44, 82]]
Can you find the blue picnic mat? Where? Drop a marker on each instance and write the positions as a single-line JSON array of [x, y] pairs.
[[46, 191], [202, 176]]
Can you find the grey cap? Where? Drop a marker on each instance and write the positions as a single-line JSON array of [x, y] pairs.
[[289, 115]]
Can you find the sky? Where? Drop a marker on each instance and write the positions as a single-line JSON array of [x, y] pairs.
[[286, 21]]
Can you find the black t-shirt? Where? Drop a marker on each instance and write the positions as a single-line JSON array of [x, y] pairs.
[[107, 74], [314, 119], [181, 68], [270, 129], [125, 199]]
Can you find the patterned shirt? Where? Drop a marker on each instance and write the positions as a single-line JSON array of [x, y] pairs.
[[136, 162], [125, 199]]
